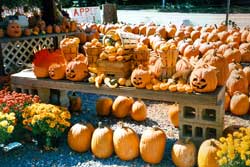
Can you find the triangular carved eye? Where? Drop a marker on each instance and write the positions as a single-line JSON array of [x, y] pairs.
[[203, 80], [195, 79]]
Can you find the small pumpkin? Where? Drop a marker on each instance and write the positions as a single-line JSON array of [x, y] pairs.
[[49, 29], [57, 71], [208, 152], [246, 71], [190, 51], [122, 106], [76, 70], [140, 77], [139, 111], [102, 141], [27, 32], [152, 145], [184, 153], [14, 30], [239, 103], [245, 52], [204, 79], [173, 114], [79, 137], [227, 101], [126, 142], [104, 106]]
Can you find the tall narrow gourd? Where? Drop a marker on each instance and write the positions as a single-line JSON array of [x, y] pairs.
[[152, 145]]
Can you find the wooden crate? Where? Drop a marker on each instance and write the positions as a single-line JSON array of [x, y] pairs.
[[116, 69]]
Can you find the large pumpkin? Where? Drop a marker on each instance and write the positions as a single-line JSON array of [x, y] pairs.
[[57, 71], [184, 153], [237, 81], [76, 70], [122, 106], [79, 137], [204, 79], [246, 71], [232, 54], [140, 77], [245, 52], [139, 111], [152, 145], [102, 141], [126, 142], [239, 103], [217, 60], [104, 106], [14, 30], [207, 153]]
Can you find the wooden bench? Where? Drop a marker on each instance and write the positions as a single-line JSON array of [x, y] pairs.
[[201, 116]]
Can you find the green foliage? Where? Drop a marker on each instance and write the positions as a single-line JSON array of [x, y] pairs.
[[18, 3]]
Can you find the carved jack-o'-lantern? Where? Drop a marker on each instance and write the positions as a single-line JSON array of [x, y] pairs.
[[140, 77], [14, 30], [204, 79], [57, 71], [76, 70]]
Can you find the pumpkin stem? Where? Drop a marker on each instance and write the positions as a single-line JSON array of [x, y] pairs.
[[155, 127], [120, 124], [212, 143], [100, 124]]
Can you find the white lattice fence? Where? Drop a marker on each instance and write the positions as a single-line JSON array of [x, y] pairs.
[[18, 54]]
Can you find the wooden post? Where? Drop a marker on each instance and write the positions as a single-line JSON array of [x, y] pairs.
[[49, 11], [228, 10], [163, 4], [109, 14]]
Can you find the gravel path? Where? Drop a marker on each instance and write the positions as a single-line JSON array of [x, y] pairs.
[[31, 156]]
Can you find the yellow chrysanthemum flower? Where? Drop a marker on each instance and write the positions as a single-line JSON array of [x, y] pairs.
[[4, 123], [10, 129]]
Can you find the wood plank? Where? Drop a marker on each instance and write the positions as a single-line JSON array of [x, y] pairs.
[[27, 78]]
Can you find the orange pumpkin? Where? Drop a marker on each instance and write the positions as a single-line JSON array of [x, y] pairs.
[[246, 71], [102, 141], [76, 70], [14, 30], [232, 54], [103, 106], [190, 51], [122, 106], [49, 29], [184, 153], [139, 111], [173, 114], [204, 79], [245, 52], [126, 142], [207, 153], [227, 101], [79, 137], [152, 145], [140, 77], [27, 31], [239, 103], [57, 71]]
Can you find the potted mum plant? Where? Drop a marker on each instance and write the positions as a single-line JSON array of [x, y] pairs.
[[7, 125], [235, 149], [46, 122]]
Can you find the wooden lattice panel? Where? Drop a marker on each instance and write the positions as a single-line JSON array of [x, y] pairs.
[[17, 54]]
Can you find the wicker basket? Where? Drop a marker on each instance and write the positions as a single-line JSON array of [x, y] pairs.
[[92, 53], [70, 46], [129, 40], [141, 56], [170, 56]]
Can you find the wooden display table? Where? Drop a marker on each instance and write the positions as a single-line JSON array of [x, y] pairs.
[[201, 116]]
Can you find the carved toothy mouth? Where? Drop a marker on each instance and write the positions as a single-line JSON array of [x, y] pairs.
[[199, 86], [71, 75], [137, 83]]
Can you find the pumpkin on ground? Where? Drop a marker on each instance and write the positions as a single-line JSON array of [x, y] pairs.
[[173, 114], [139, 111], [126, 142], [122, 106], [207, 153], [102, 141], [79, 137], [103, 106], [239, 103], [152, 145], [184, 153], [204, 79]]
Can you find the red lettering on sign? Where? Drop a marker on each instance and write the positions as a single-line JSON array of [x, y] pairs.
[[76, 12], [81, 11], [86, 10]]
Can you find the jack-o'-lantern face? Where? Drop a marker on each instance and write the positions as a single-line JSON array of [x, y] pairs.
[[204, 79], [140, 77], [57, 71], [14, 30], [76, 71]]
